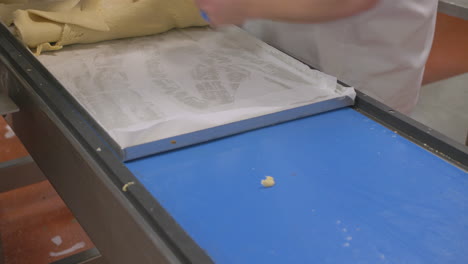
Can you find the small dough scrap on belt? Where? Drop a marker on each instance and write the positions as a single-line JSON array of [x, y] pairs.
[[268, 182], [90, 21]]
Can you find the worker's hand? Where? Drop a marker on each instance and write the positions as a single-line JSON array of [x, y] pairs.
[[223, 12]]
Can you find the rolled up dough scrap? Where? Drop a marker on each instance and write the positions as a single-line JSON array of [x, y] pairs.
[[90, 21], [268, 182]]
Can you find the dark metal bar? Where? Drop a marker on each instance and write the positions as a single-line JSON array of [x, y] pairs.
[[91, 256], [19, 173], [422, 135], [6, 105]]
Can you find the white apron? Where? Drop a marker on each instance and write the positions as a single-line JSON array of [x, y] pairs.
[[381, 52]]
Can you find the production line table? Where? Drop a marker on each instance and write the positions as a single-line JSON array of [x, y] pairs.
[[355, 185]]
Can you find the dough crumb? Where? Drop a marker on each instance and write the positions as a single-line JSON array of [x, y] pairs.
[[268, 182], [125, 187]]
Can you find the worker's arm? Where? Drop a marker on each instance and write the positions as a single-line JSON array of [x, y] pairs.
[[295, 11]]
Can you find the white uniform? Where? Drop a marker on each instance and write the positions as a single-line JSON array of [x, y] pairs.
[[381, 52]]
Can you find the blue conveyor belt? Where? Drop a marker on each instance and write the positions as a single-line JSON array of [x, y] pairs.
[[348, 191]]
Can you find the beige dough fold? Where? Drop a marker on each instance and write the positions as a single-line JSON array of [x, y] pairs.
[[7, 8], [52, 25]]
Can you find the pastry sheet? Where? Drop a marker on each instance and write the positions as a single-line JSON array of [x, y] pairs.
[[147, 92]]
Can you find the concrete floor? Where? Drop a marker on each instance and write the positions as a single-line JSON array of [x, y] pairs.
[[443, 106]]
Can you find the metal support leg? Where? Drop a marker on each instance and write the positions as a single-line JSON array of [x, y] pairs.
[[91, 256], [1, 250], [466, 139], [19, 173], [6, 105]]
